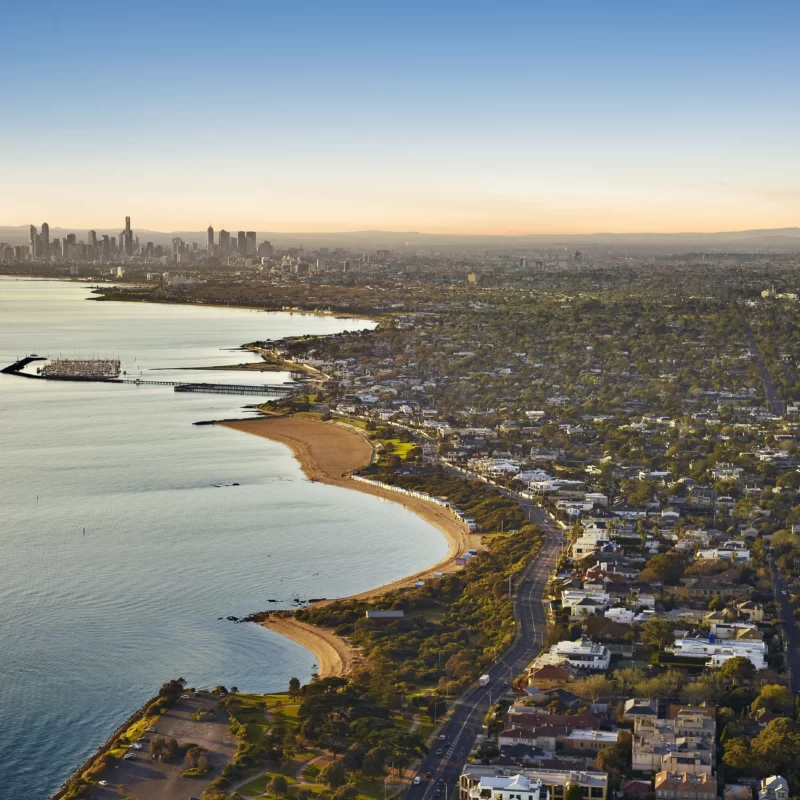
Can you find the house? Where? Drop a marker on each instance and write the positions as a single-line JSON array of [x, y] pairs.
[[590, 739], [621, 615], [594, 785], [715, 654], [737, 791], [636, 708], [635, 789], [549, 676], [685, 786], [775, 787], [749, 609], [583, 654], [512, 787], [683, 744]]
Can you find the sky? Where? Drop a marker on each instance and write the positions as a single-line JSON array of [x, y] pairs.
[[491, 117]]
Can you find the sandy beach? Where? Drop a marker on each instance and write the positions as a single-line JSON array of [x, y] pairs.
[[328, 453], [334, 656]]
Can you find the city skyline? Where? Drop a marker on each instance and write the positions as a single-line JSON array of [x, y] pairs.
[[447, 119]]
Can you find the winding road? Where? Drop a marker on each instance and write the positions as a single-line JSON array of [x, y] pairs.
[[465, 722]]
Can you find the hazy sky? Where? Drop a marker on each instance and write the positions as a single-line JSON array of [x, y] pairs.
[[493, 117]]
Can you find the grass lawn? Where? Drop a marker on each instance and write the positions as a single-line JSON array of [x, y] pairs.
[[249, 710], [395, 447], [426, 726], [259, 785]]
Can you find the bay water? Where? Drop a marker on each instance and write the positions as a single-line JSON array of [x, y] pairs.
[[124, 545]]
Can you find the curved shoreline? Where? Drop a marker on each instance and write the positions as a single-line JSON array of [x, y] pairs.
[[328, 453]]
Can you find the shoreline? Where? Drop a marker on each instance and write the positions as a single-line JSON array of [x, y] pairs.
[[329, 453]]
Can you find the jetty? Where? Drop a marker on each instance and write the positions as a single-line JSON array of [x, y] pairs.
[[103, 376]]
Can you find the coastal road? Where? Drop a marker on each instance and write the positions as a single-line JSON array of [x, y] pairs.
[[470, 710]]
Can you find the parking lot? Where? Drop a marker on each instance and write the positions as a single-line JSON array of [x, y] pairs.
[[146, 779]]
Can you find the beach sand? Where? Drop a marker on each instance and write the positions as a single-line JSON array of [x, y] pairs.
[[328, 453], [334, 656]]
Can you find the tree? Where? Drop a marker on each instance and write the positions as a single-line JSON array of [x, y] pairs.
[[658, 632], [294, 687], [737, 670], [592, 687], [349, 792], [373, 763], [667, 567], [278, 785], [774, 697], [573, 791], [333, 775]]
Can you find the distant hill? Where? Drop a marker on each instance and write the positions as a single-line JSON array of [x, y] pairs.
[[778, 239]]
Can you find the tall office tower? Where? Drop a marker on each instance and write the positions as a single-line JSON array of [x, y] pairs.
[[45, 240], [93, 242], [265, 249], [33, 234], [251, 243], [224, 241], [71, 238], [126, 238], [241, 242], [106, 246], [210, 245], [113, 245]]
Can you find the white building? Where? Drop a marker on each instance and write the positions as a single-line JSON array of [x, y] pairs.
[[716, 653], [775, 787], [583, 654], [513, 787]]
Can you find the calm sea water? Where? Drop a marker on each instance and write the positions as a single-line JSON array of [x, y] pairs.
[[92, 623]]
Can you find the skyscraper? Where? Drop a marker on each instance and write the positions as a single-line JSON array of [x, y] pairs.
[[126, 238], [210, 240], [251, 243], [241, 242], [34, 236], [224, 241], [45, 240], [92, 239]]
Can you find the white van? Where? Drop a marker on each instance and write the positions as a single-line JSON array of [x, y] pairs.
[[417, 780]]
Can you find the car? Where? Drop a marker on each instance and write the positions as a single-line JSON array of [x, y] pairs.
[[417, 780], [129, 757], [194, 798], [429, 775], [442, 737], [151, 730], [186, 697], [784, 591], [102, 783], [439, 752]]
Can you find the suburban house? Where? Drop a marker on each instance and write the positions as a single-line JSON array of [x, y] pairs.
[[715, 653], [685, 786], [513, 787], [594, 785], [775, 787]]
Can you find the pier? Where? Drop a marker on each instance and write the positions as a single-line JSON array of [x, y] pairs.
[[212, 388], [278, 390]]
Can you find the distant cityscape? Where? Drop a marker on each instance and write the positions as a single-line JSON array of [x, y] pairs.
[[240, 249]]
